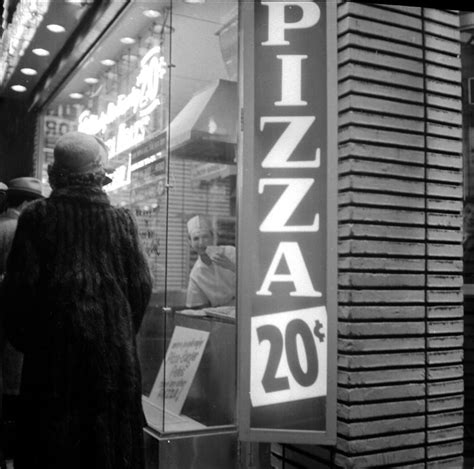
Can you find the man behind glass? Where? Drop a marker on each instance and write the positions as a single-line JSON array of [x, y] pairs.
[[212, 278]]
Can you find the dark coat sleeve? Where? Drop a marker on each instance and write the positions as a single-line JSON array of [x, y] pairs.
[[139, 278], [19, 288]]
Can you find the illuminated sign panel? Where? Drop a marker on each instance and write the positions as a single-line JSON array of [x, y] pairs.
[[287, 297], [142, 100]]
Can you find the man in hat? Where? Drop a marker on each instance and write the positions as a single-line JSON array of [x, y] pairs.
[[3, 196], [19, 193], [212, 278], [74, 294]]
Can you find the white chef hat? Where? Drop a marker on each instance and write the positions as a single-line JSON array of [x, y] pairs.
[[197, 224]]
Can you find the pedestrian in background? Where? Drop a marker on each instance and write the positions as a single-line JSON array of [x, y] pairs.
[[18, 193], [75, 292], [3, 196]]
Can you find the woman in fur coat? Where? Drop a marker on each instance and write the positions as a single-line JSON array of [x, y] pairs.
[[74, 295]]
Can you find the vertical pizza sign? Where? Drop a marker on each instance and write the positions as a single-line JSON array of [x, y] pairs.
[[288, 307]]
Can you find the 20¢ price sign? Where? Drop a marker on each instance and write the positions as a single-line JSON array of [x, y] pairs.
[[288, 356]]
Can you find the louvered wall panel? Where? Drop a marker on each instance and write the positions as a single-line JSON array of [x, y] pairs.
[[400, 345], [445, 385]]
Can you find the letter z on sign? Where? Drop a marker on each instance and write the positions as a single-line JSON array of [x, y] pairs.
[[288, 356]]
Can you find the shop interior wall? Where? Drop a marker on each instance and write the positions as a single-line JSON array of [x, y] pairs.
[[17, 139]]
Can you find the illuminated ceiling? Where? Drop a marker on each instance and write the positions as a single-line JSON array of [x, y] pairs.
[[194, 57], [63, 18]]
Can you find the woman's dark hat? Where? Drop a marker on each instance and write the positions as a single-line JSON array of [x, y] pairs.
[[29, 187], [80, 153]]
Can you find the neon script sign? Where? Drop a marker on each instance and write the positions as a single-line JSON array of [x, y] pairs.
[[142, 100]]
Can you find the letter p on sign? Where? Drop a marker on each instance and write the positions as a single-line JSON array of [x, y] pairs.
[[310, 14]]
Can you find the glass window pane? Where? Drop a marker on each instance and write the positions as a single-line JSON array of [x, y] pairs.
[[161, 90], [194, 386]]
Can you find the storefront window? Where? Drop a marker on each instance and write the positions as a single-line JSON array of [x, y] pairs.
[[161, 91]]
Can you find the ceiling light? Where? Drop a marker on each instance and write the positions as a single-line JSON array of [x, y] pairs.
[[194, 1], [152, 13], [91, 80], [40, 52], [127, 40], [56, 28], [18, 88], [107, 62], [29, 71], [76, 95]]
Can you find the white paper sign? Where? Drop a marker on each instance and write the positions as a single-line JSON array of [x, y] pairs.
[[163, 420], [177, 373], [288, 356]]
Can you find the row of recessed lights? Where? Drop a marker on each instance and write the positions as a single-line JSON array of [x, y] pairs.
[[152, 14], [54, 28], [57, 29]]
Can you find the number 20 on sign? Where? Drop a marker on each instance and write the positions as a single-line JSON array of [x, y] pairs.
[[290, 356]]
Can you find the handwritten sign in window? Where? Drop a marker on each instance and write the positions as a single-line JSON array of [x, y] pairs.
[[177, 372]]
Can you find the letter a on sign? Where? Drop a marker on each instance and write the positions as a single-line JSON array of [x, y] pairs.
[[298, 275]]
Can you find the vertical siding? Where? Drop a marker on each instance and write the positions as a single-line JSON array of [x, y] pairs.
[[400, 373]]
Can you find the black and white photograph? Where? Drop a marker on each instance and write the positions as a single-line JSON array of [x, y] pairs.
[[236, 234]]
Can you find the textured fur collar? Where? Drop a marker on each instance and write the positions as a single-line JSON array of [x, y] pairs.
[[91, 194]]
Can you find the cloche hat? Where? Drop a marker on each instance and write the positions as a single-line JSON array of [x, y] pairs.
[[80, 153]]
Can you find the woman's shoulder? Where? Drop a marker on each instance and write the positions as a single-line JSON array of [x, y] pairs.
[[35, 209], [125, 219], [124, 214]]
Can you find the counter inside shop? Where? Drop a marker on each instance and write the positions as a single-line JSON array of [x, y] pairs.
[[194, 389]]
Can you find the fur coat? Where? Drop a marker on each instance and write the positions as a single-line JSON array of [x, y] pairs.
[[73, 298]]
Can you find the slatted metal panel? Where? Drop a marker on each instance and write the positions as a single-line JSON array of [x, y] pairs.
[[400, 364]]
